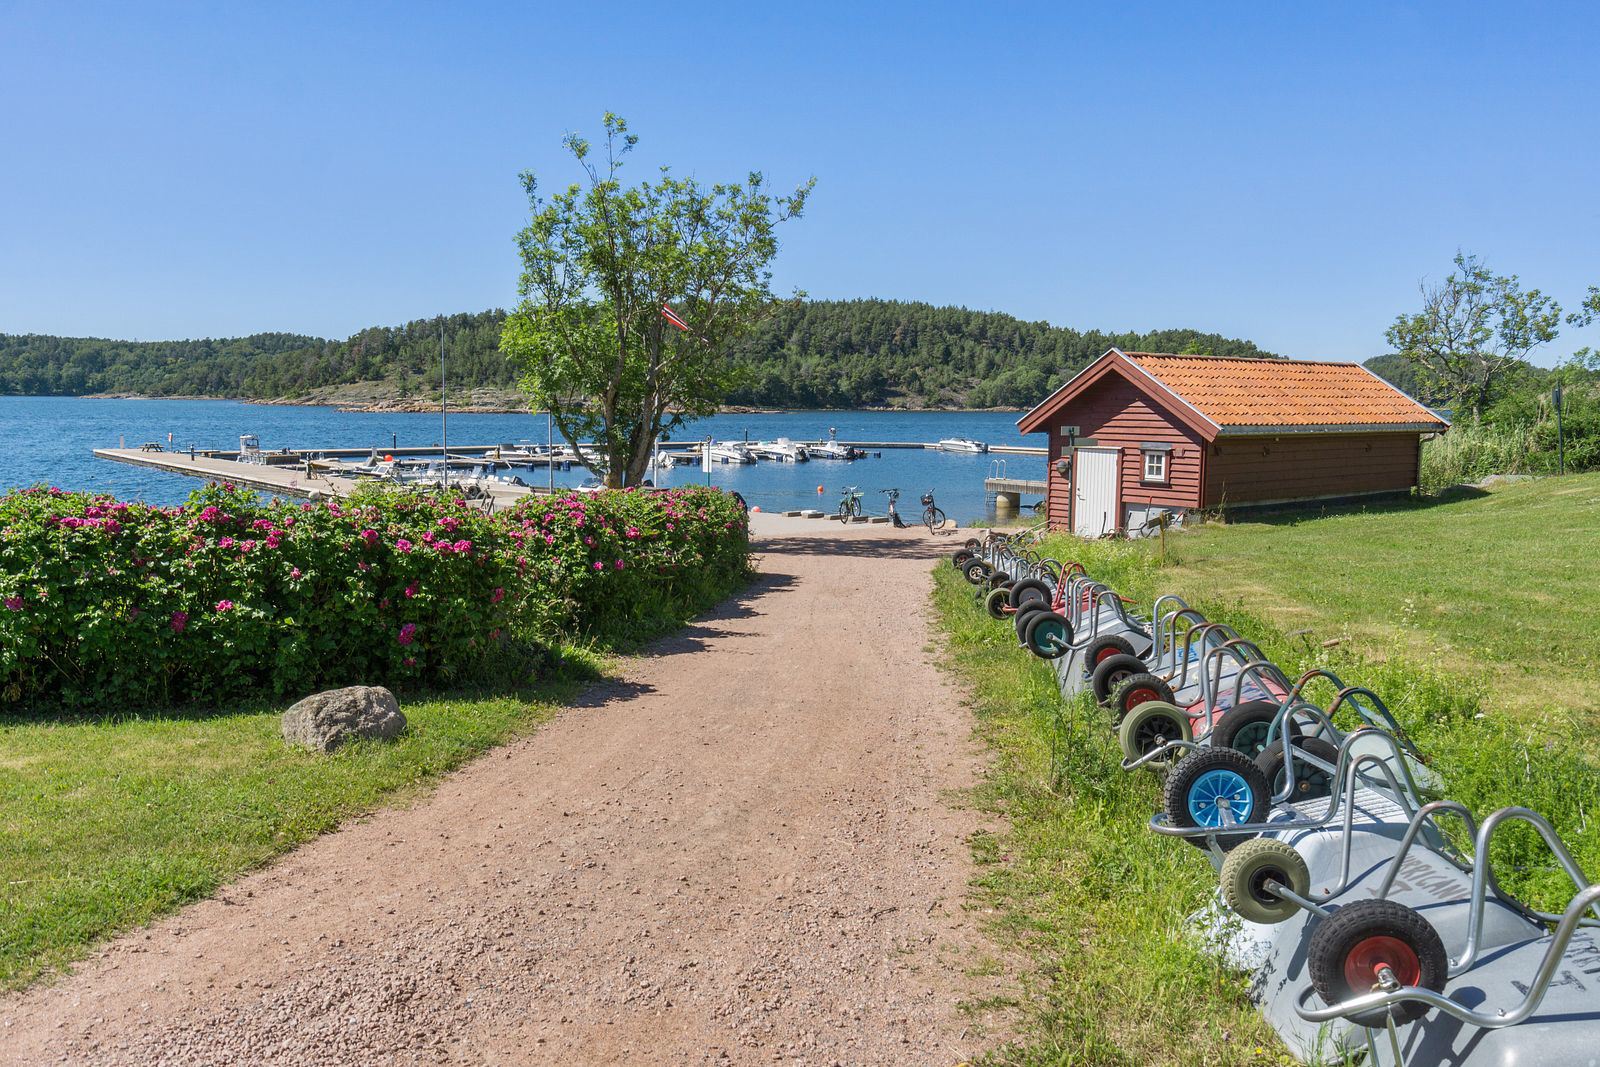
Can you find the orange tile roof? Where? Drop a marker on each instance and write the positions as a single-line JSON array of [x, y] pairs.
[[1253, 393]]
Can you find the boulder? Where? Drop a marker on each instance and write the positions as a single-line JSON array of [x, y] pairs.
[[324, 721]]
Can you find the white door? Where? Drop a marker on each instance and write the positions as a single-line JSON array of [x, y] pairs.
[[1094, 505]]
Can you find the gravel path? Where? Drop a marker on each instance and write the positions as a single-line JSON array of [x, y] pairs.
[[742, 851]]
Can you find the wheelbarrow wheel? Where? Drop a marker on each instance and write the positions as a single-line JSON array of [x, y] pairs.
[[1048, 635], [959, 557], [1311, 782], [1022, 615], [1248, 869], [1244, 727], [1111, 672], [1029, 589], [1212, 788], [1138, 689], [1347, 949], [997, 603], [973, 544], [1103, 648], [1151, 725], [976, 570]]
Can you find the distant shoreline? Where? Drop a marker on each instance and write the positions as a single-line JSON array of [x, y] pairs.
[[473, 402]]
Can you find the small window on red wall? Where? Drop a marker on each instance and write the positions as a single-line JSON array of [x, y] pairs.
[[1155, 465]]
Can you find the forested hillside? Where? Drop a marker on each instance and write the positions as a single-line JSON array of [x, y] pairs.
[[826, 353]]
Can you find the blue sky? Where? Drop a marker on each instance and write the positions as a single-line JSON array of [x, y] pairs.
[[1282, 172]]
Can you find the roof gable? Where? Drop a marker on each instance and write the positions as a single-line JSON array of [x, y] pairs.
[[1230, 395]]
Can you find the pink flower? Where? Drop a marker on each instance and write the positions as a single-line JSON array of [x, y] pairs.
[[13, 603], [463, 546], [363, 567], [633, 531], [408, 634], [370, 536], [599, 566], [224, 605], [411, 590], [180, 619], [294, 572], [402, 545], [226, 542], [410, 662], [619, 564], [549, 539], [498, 595]]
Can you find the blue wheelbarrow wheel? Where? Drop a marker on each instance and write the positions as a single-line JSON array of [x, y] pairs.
[[1213, 788], [1347, 949], [1048, 635]]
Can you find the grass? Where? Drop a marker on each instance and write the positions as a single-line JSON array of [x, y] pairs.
[[110, 822], [1097, 903], [1077, 883], [1496, 586]]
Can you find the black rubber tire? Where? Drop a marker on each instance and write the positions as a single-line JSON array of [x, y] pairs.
[[1150, 725], [1190, 769], [1102, 648], [1112, 672], [958, 558], [1019, 621], [1313, 782], [1029, 589], [1243, 727], [974, 544], [1136, 689], [976, 570], [1247, 870], [1043, 622], [1340, 934], [997, 604]]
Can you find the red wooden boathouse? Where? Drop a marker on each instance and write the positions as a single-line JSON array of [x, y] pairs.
[[1138, 433]]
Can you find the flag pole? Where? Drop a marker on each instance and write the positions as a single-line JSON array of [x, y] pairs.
[[444, 407]]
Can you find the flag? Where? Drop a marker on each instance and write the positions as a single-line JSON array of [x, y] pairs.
[[672, 317]]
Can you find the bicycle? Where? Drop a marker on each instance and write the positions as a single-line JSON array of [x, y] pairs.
[[850, 505], [894, 512], [932, 516]]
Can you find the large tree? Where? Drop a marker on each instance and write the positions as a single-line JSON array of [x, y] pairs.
[[1474, 328], [600, 260]]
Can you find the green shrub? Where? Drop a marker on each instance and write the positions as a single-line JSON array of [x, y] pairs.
[[105, 603]]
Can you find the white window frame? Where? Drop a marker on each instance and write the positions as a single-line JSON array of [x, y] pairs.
[[1166, 465]]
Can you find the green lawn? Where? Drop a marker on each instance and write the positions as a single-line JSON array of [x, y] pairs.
[[1500, 586], [110, 822], [1095, 904]]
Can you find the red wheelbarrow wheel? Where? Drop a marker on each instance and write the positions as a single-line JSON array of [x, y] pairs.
[[1139, 689], [1348, 950], [1112, 671]]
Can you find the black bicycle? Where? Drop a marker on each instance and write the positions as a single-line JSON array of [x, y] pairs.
[[932, 516]]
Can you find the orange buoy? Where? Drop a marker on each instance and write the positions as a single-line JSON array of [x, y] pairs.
[[819, 490], [388, 459], [755, 509]]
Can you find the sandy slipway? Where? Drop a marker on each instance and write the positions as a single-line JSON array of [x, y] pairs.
[[744, 851]]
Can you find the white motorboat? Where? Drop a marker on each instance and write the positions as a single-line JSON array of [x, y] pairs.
[[730, 452], [962, 444], [832, 450], [782, 450]]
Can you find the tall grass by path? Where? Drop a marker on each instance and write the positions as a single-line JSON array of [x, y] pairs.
[[1099, 903], [1469, 453], [1078, 885]]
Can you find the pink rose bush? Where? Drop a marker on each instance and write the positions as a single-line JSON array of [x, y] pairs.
[[121, 605]]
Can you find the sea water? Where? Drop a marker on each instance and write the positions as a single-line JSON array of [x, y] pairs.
[[50, 440]]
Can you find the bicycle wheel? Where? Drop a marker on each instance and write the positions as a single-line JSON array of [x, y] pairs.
[[934, 518], [844, 514]]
